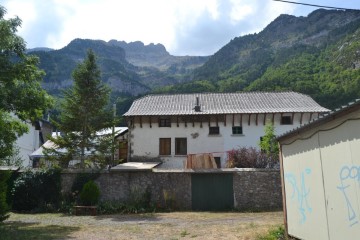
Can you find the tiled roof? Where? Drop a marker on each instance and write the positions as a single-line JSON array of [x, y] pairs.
[[223, 103], [352, 106]]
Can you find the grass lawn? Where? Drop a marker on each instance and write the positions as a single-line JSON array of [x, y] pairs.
[[175, 225]]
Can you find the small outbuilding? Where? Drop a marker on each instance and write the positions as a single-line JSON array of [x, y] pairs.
[[320, 168]]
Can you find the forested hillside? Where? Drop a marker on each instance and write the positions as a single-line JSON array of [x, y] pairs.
[[318, 55]]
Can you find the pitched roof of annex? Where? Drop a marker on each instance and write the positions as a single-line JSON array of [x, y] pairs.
[[224, 103]]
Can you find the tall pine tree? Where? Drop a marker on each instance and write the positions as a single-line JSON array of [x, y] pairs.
[[84, 112]]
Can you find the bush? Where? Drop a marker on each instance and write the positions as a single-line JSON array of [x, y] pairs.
[[4, 208], [37, 191], [251, 158], [90, 194], [112, 207], [81, 179]]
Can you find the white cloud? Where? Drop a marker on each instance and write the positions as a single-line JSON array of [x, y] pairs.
[[192, 27]]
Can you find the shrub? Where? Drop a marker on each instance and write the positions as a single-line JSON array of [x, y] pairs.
[[250, 158], [90, 194], [4, 208], [80, 180], [37, 190], [277, 233], [112, 207]]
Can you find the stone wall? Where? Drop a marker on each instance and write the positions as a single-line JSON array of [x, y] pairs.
[[257, 189], [253, 189]]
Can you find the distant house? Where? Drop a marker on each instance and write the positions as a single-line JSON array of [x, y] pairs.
[[169, 127], [29, 142], [320, 166], [120, 153]]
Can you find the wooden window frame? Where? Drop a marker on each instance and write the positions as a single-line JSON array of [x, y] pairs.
[[164, 146], [179, 147]]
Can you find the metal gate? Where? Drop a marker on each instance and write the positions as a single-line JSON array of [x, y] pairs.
[[212, 191]]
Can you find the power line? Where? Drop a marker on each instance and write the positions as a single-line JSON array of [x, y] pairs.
[[314, 5]]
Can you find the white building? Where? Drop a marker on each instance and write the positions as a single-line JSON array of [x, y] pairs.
[[32, 140], [168, 127], [120, 153]]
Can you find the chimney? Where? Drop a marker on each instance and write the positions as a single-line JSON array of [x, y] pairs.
[[197, 106]]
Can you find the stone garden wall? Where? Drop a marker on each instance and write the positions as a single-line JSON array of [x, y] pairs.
[[253, 188]]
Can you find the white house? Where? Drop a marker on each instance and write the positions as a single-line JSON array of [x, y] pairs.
[[168, 127], [120, 154], [32, 140]]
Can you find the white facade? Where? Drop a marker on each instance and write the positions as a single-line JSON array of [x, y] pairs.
[[27, 144], [144, 135]]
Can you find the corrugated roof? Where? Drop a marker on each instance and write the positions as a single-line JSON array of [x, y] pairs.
[[322, 119], [223, 103]]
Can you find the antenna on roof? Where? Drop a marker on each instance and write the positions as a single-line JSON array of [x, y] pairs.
[[197, 105]]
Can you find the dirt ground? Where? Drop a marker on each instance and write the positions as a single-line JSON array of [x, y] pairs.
[[175, 225]]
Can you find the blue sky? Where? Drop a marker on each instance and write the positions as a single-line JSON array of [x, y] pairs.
[[184, 27]]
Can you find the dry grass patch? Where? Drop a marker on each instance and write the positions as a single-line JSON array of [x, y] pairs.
[[176, 225]]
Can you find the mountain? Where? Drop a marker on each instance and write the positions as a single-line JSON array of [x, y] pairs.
[[318, 55], [156, 56], [129, 69]]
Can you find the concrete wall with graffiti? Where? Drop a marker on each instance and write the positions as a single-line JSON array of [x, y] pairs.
[[321, 176]]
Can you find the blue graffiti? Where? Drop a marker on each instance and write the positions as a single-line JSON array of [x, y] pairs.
[[346, 173], [300, 193]]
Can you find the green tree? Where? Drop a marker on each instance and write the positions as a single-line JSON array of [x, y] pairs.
[[21, 96], [84, 112], [268, 142]]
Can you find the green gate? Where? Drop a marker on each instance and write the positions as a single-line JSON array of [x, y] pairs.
[[212, 191]]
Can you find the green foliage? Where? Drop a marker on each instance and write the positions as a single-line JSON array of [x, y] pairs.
[[268, 143], [274, 234], [90, 194], [10, 130], [37, 191], [81, 179], [20, 92], [290, 54], [4, 208], [84, 112]]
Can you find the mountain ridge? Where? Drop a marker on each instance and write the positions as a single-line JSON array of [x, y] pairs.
[[318, 55]]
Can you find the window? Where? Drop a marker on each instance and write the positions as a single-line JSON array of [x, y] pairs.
[[237, 130], [286, 120], [165, 146], [218, 162], [180, 146], [214, 130], [164, 122]]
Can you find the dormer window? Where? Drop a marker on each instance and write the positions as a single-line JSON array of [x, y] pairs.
[[164, 122]]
